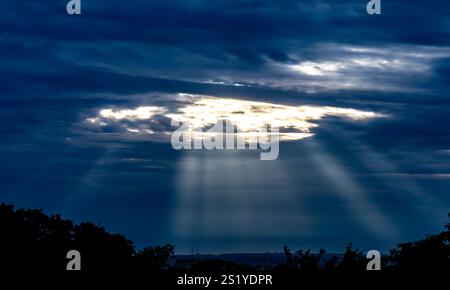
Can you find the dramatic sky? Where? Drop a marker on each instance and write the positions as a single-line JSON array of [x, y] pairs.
[[86, 104]]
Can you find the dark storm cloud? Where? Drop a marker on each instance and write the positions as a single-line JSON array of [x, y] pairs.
[[252, 42], [227, 21]]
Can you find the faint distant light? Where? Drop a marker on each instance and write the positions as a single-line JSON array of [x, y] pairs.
[[316, 68], [224, 83], [133, 130], [140, 113], [373, 62]]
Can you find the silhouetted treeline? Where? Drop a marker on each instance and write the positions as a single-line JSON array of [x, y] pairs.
[[431, 254], [32, 240], [353, 260]]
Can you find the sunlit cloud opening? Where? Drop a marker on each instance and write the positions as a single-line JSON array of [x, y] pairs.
[[198, 112], [251, 116]]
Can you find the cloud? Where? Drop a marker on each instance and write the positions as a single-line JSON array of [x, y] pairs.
[[199, 112], [334, 45]]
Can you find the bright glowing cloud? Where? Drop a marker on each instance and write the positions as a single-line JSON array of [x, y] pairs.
[[328, 68], [140, 113], [316, 68], [200, 112], [333, 66], [251, 116]]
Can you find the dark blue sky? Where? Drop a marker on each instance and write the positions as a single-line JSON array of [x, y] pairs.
[[375, 182]]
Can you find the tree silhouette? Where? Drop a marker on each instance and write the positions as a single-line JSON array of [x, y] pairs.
[[429, 254], [156, 258], [102, 250], [304, 261], [308, 262], [31, 240], [353, 260]]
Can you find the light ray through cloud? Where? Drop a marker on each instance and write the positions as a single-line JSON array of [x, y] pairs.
[[365, 211], [224, 195], [385, 169]]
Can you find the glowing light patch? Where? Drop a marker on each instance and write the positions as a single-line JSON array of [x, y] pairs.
[[251, 116], [140, 113], [317, 69], [350, 64], [198, 113]]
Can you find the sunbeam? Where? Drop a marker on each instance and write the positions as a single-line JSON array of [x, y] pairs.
[[229, 194], [366, 212]]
